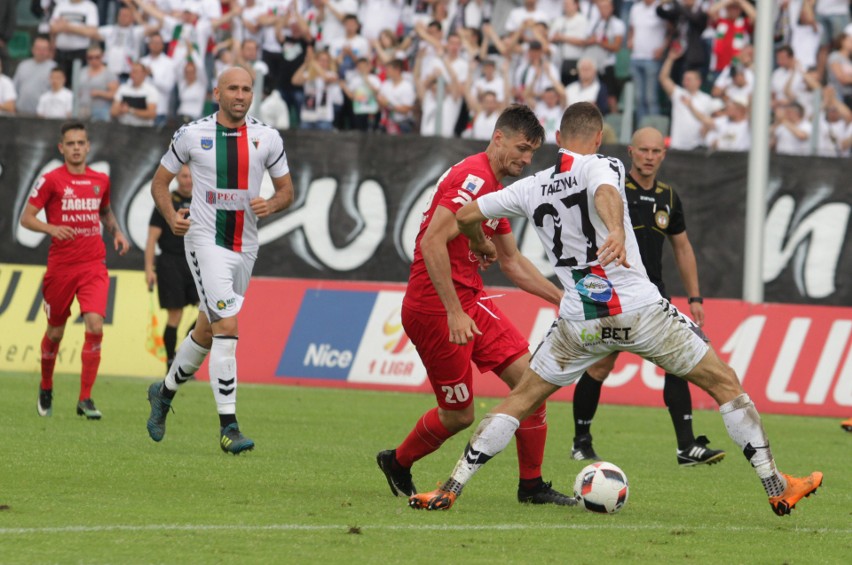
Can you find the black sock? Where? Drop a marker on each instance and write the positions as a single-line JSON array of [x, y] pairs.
[[226, 420], [530, 484], [170, 341], [679, 401], [587, 394], [166, 392]]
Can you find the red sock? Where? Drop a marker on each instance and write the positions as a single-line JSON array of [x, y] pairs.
[[530, 439], [48, 362], [91, 356], [427, 436]]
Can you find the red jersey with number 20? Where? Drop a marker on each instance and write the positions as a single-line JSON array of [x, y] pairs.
[[75, 201], [462, 183]]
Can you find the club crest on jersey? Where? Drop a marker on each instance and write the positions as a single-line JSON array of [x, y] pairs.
[[255, 141], [662, 219], [473, 183], [594, 288], [97, 190], [207, 143]]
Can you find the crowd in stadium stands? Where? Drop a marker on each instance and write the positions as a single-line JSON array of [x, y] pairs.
[[444, 67]]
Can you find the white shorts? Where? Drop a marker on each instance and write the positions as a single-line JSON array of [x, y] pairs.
[[221, 277], [657, 332]]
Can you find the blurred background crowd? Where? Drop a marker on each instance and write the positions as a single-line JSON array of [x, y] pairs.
[[438, 67]]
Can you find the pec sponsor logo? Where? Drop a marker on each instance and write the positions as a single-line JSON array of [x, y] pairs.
[[207, 143], [594, 288]]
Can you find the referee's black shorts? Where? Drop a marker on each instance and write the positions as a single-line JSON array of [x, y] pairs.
[[175, 286]]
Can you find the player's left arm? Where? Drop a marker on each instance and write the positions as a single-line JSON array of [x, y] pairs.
[[111, 226], [281, 200], [684, 257], [522, 272]]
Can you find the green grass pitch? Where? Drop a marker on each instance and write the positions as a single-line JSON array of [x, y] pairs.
[[73, 491]]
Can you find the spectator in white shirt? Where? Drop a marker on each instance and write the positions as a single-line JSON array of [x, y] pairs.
[[192, 94], [361, 87], [730, 131], [7, 94], [606, 37], [97, 87], [317, 75], [588, 87], [490, 81], [686, 129], [377, 15], [548, 109], [331, 14], [570, 33], [397, 98], [163, 72], [71, 45], [58, 102], [135, 101], [839, 68], [786, 77], [790, 131], [536, 72], [350, 47], [835, 127], [647, 40], [452, 69], [520, 20], [32, 76]]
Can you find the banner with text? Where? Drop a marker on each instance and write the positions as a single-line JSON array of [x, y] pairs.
[[359, 199], [791, 359]]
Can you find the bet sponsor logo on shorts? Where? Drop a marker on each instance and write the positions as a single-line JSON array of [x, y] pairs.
[[607, 335]]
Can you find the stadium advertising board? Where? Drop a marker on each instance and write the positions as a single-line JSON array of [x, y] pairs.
[[791, 359], [359, 200]]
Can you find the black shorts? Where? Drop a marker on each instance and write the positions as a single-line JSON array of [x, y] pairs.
[[612, 83], [175, 286]]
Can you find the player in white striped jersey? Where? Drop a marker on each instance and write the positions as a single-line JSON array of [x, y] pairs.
[[578, 209], [227, 154]]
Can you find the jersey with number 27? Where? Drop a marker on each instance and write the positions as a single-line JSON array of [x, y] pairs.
[[560, 202], [227, 167]]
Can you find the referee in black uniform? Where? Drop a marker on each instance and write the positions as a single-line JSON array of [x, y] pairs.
[[657, 215], [172, 276]]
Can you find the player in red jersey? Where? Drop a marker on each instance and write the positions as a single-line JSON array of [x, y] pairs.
[[452, 321], [76, 201]]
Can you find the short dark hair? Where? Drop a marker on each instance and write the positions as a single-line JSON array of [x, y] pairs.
[[394, 63], [785, 49], [581, 119], [519, 118], [68, 126]]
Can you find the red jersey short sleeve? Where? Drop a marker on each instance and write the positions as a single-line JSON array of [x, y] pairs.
[[75, 201], [463, 183]]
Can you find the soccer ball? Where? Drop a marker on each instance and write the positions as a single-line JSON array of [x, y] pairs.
[[601, 487]]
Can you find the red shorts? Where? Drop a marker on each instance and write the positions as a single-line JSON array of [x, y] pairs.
[[89, 282], [448, 365]]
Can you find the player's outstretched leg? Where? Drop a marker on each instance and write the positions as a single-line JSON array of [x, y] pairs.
[[223, 380], [745, 428], [587, 395], [490, 438], [189, 358]]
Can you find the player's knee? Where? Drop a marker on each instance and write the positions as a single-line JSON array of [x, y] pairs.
[[457, 420], [55, 333], [598, 373]]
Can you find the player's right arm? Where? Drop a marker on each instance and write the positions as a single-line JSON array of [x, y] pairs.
[[150, 246], [433, 246], [39, 197], [610, 208]]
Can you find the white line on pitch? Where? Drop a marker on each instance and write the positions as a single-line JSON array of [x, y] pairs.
[[412, 527]]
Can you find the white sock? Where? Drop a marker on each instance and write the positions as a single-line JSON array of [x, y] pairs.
[[746, 429], [493, 434], [223, 373], [189, 358]]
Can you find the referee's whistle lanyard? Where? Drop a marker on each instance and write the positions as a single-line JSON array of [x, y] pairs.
[[484, 307]]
